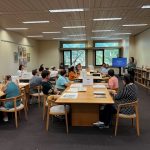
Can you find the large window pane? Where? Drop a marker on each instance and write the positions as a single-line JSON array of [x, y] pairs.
[[80, 45], [109, 54], [107, 44], [99, 57], [67, 59], [78, 57]]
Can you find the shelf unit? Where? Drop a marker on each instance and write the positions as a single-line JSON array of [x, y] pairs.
[[142, 77]]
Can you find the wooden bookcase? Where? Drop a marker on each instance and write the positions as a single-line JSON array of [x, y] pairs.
[[142, 77]]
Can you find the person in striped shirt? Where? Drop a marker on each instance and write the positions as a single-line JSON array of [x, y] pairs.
[[125, 95]]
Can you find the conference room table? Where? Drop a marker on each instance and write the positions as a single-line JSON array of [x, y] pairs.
[[85, 108]]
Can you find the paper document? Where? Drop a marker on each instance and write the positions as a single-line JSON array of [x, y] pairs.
[[100, 96], [70, 95], [99, 93], [101, 86], [76, 85]]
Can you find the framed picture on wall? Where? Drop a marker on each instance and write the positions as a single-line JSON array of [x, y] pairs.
[[15, 57], [20, 51], [24, 52], [28, 57]]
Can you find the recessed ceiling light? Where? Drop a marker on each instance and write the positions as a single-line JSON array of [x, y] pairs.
[[101, 37], [51, 32], [66, 10], [77, 35], [45, 21], [100, 19], [16, 28], [71, 27], [121, 33], [102, 30], [134, 25], [145, 6], [35, 36], [60, 38]]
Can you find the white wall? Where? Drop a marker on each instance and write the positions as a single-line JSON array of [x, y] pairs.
[[142, 49], [49, 53], [9, 42]]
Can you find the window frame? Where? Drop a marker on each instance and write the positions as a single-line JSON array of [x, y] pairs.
[[120, 48]]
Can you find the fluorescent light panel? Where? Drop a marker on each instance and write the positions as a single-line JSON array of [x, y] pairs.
[[77, 35], [16, 28], [102, 30], [134, 25], [121, 33], [60, 38], [98, 37], [72, 27], [51, 32], [145, 6], [100, 19], [31, 22], [35, 36], [66, 10]]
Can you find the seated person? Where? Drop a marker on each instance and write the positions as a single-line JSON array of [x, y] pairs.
[[72, 74], [41, 68], [53, 72], [62, 81], [35, 81], [11, 90], [113, 81], [127, 95], [20, 71], [104, 69], [47, 86], [61, 66], [78, 68]]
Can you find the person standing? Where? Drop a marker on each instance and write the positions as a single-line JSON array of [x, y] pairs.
[[131, 68]]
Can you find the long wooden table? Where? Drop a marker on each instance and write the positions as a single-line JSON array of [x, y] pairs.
[[85, 108]]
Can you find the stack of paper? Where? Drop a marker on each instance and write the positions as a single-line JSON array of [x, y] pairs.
[[70, 95], [76, 85], [101, 86], [99, 93]]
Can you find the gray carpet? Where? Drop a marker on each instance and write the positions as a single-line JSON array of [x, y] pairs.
[[31, 134]]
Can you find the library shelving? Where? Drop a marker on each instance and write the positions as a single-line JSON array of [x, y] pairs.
[[142, 77]]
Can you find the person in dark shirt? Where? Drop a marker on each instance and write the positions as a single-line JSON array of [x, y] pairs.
[[126, 95], [47, 86]]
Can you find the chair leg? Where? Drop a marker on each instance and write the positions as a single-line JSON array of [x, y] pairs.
[[39, 101], [44, 111], [16, 119], [47, 121], [25, 113], [132, 121], [66, 119], [117, 120], [137, 125]]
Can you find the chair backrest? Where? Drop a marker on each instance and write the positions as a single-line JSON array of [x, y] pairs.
[[133, 104], [13, 99], [51, 100]]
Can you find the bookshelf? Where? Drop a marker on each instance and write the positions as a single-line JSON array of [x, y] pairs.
[[142, 77]]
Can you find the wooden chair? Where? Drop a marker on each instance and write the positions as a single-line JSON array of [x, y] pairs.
[[45, 105], [132, 116], [54, 109], [16, 108], [23, 92], [38, 94]]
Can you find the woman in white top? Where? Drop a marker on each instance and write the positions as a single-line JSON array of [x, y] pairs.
[[20, 71]]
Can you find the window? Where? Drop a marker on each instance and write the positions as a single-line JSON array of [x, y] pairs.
[[74, 54], [74, 45], [107, 44], [73, 57], [99, 57], [107, 52]]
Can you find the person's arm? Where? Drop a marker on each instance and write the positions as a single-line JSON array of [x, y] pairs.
[[120, 94]]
